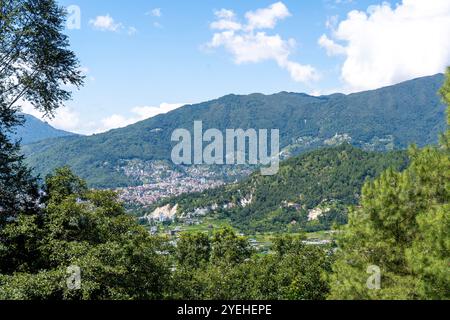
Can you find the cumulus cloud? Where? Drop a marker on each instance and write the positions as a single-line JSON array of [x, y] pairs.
[[65, 117], [225, 14], [333, 49], [146, 112], [68, 119], [267, 18], [247, 43], [105, 23], [226, 20], [387, 45], [138, 114], [332, 22], [113, 122]]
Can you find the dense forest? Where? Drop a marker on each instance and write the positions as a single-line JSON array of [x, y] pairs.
[[329, 178], [118, 259]]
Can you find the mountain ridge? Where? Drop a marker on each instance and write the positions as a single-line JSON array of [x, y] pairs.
[[34, 130], [383, 119]]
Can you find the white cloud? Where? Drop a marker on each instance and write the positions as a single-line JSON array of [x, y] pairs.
[[65, 118], [267, 18], [149, 112], [250, 47], [247, 45], [68, 119], [225, 14], [138, 114], [332, 22], [226, 25], [387, 45], [333, 49], [105, 23], [113, 122], [226, 20], [299, 72], [156, 12]]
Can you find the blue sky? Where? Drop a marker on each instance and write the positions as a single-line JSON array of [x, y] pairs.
[[144, 57]]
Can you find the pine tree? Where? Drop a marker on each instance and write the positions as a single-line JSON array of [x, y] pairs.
[[401, 230]]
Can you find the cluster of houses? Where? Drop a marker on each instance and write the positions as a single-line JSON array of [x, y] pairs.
[[161, 180], [154, 230]]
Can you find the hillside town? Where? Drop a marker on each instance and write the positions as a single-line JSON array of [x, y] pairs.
[[161, 180]]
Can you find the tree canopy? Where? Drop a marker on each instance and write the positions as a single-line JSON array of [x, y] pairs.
[[36, 67], [35, 59], [402, 228]]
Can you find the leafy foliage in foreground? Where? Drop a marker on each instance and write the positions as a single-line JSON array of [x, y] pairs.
[[35, 65], [18, 188], [120, 260], [83, 228], [403, 228], [222, 267]]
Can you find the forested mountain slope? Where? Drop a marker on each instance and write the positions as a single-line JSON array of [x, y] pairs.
[[382, 119], [310, 192]]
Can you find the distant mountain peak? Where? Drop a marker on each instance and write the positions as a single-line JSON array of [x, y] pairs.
[[34, 130]]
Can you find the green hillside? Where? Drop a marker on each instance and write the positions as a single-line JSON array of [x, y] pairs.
[[328, 179], [383, 119]]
